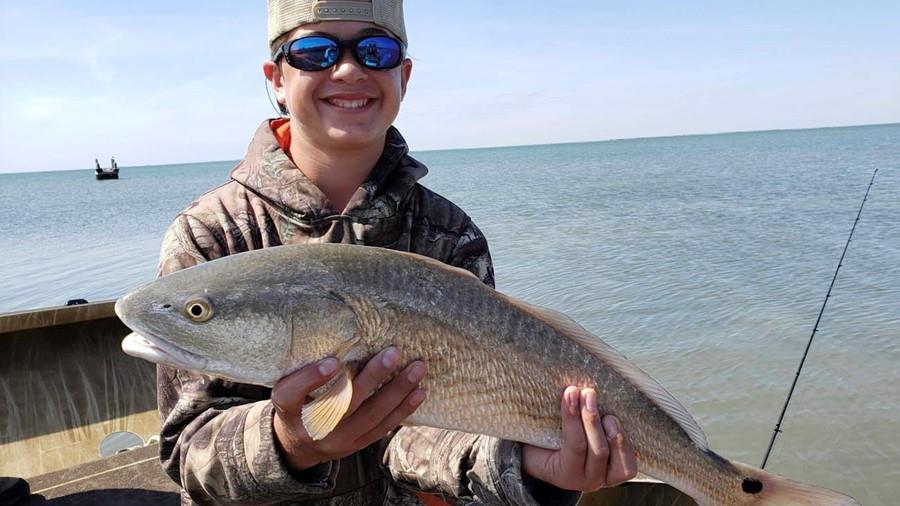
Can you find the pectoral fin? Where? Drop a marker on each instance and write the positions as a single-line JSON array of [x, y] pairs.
[[322, 415]]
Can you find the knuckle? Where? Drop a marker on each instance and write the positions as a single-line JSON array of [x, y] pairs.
[[373, 416], [368, 380], [373, 375]]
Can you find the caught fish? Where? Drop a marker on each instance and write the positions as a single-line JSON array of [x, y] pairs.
[[497, 365]]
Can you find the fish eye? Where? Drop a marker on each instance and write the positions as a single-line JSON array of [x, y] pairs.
[[198, 310]]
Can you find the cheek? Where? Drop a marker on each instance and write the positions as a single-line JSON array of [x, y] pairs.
[[257, 343], [392, 90], [299, 90]]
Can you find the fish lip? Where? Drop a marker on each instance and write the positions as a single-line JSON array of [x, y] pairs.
[[161, 351]]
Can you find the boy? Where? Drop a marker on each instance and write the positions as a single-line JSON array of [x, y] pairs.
[[335, 170]]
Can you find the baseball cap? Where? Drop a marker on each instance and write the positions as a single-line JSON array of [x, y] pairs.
[[286, 15]]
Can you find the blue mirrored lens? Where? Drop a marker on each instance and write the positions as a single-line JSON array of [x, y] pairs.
[[379, 52], [313, 53]]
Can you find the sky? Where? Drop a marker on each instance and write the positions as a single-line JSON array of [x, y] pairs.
[[174, 81]]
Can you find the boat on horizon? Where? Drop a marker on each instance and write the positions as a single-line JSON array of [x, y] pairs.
[[111, 173]]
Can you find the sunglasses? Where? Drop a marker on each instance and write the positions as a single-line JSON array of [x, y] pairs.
[[320, 52]]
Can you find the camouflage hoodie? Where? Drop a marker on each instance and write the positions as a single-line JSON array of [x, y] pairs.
[[217, 436]]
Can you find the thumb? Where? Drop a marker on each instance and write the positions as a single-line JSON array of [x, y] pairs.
[[291, 391]]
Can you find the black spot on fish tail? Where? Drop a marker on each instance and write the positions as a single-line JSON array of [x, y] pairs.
[[752, 486], [748, 485]]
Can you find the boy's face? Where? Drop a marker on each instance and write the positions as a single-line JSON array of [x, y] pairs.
[[346, 106]]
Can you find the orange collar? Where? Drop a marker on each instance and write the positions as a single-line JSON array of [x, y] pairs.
[[431, 500], [281, 127]]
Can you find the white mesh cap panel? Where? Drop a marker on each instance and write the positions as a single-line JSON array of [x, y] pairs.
[[389, 14], [285, 15]]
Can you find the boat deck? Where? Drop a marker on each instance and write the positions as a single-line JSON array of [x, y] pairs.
[[134, 478]]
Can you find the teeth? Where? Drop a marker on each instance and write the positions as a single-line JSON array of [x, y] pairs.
[[349, 104]]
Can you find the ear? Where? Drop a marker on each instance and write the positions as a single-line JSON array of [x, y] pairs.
[[272, 71], [405, 73]]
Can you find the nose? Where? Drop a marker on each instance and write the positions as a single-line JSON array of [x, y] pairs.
[[349, 70]]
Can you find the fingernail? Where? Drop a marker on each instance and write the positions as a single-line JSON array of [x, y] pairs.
[[416, 373], [417, 397], [611, 426], [328, 366], [390, 358], [589, 400]]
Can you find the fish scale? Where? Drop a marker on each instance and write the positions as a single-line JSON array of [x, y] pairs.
[[497, 366]]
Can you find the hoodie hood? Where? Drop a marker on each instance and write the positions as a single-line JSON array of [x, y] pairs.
[[268, 172]]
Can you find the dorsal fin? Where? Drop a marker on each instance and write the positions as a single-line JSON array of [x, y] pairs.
[[659, 395]]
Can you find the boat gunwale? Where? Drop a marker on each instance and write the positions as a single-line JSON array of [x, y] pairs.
[[29, 319]]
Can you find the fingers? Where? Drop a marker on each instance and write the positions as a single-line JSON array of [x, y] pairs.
[[369, 418], [410, 403], [574, 442], [597, 455], [390, 405], [377, 371], [622, 462], [289, 394], [607, 458]]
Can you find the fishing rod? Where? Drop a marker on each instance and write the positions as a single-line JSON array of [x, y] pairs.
[[816, 326]]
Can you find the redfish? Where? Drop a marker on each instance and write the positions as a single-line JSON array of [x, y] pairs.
[[497, 365]]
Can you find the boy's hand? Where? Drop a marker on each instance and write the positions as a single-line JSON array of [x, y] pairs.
[[595, 451], [372, 414]]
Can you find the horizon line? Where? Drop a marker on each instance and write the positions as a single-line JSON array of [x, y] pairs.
[[670, 136], [513, 146]]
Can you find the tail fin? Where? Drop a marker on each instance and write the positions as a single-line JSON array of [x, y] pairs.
[[773, 490]]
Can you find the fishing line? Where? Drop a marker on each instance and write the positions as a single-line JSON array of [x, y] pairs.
[[816, 327]]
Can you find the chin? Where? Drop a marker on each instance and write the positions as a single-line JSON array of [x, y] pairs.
[[350, 138]]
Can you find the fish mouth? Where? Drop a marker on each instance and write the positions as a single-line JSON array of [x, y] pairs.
[[161, 352], [144, 345]]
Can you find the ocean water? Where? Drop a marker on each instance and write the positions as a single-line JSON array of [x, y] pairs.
[[705, 259]]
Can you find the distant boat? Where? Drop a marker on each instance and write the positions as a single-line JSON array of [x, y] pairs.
[[111, 173]]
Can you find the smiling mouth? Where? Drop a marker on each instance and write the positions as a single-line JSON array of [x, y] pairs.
[[350, 105]]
